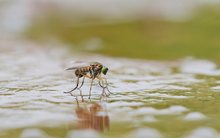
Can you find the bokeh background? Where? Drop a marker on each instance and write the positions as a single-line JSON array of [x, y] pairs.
[[163, 58], [149, 29]]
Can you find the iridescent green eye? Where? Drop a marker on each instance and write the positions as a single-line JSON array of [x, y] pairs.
[[104, 70]]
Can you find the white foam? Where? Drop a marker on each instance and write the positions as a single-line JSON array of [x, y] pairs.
[[203, 132], [123, 103], [176, 109], [145, 133], [86, 133], [162, 95], [195, 116], [216, 88], [149, 119], [196, 66], [33, 133]]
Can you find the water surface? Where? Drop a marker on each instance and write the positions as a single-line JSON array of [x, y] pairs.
[[152, 99]]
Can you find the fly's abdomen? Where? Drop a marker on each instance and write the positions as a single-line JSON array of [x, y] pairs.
[[78, 73], [82, 71]]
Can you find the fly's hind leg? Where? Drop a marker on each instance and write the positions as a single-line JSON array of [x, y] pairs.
[[77, 84], [80, 89], [82, 83]]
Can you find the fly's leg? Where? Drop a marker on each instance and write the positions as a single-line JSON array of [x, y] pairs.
[[81, 94], [82, 83], [80, 89], [90, 89], [91, 73], [77, 84], [103, 88], [101, 83], [104, 85], [91, 76], [70, 92]]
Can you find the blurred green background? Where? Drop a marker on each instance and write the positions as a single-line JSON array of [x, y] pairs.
[[143, 29], [147, 38]]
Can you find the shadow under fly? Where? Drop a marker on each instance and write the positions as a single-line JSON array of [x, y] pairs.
[[91, 70]]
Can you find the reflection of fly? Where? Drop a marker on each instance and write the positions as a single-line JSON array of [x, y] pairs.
[[92, 116], [91, 70]]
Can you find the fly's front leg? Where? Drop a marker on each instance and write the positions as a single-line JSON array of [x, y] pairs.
[[106, 82], [104, 85], [101, 83]]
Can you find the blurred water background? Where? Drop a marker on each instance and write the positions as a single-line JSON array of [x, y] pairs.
[[163, 57]]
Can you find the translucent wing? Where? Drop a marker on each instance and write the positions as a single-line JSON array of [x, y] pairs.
[[79, 64]]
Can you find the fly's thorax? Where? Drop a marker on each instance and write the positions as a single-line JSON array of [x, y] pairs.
[[97, 67]]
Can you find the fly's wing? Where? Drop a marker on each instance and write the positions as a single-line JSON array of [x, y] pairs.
[[79, 64], [73, 68]]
